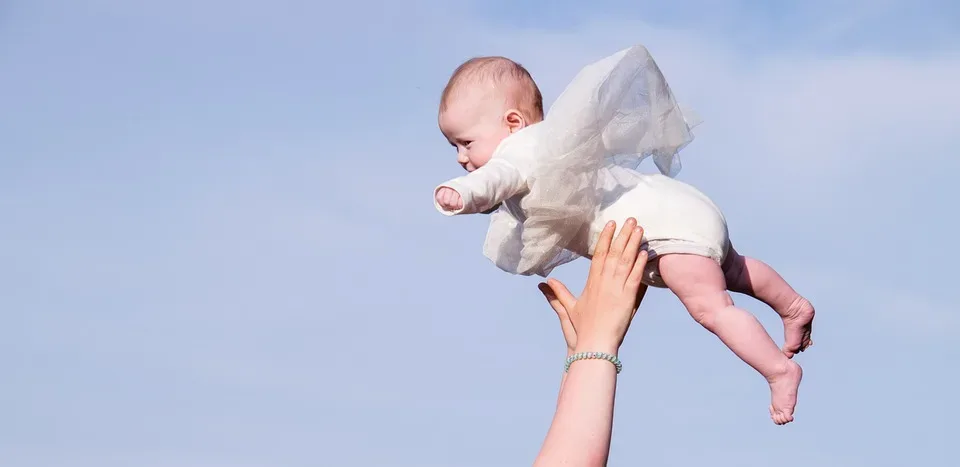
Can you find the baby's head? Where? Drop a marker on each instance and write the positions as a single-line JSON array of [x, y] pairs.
[[487, 99]]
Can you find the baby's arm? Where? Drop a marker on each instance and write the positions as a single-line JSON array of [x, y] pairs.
[[480, 190]]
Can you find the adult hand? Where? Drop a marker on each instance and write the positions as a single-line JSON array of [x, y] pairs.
[[599, 320]]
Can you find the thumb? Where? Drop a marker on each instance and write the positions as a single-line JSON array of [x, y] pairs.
[[552, 299], [562, 294], [560, 306]]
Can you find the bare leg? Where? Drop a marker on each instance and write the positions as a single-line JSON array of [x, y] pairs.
[[700, 284], [754, 278]]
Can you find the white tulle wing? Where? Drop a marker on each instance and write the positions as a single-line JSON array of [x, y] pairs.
[[616, 111]]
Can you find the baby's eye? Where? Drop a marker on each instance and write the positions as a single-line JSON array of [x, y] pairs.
[[467, 144]]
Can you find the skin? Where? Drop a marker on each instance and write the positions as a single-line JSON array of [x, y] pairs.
[[478, 119], [702, 287], [581, 429], [474, 123]]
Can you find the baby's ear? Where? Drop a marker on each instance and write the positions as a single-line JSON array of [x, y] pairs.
[[514, 120]]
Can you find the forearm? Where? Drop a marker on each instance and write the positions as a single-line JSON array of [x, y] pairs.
[[563, 377], [486, 187], [580, 432]]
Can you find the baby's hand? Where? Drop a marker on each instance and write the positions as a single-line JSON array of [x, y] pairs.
[[449, 199]]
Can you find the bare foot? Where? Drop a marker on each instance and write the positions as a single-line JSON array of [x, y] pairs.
[[797, 327], [783, 392]]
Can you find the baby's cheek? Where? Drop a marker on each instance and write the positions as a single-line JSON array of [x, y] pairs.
[[480, 158]]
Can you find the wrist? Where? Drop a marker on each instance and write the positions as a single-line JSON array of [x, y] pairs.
[[598, 345], [593, 357]]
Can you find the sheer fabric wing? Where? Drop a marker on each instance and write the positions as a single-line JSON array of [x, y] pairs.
[[642, 117], [616, 111]]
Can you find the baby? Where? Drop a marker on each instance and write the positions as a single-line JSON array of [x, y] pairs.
[[551, 183]]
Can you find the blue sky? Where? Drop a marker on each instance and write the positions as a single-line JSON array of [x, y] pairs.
[[218, 246]]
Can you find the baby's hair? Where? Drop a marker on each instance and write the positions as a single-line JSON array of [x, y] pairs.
[[502, 73]]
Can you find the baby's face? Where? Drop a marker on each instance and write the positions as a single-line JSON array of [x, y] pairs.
[[474, 124]]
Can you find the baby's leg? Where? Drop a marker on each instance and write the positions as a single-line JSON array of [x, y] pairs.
[[756, 279], [699, 283]]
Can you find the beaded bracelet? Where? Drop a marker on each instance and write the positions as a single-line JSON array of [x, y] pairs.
[[593, 356]]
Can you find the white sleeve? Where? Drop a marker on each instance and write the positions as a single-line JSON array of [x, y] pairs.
[[484, 188]]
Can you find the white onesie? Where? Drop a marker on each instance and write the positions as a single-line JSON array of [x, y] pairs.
[[559, 181]]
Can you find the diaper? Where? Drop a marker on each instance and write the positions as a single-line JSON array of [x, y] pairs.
[[676, 219]]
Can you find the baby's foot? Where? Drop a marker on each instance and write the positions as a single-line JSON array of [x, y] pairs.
[[783, 392], [797, 327]]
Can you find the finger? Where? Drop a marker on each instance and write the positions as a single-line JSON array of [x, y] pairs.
[[616, 248], [600, 252], [636, 304], [567, 300], [551, 297], [638, 258], [635, 278], [560, 306], [560, 300], [629, 256], [641, 292]]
